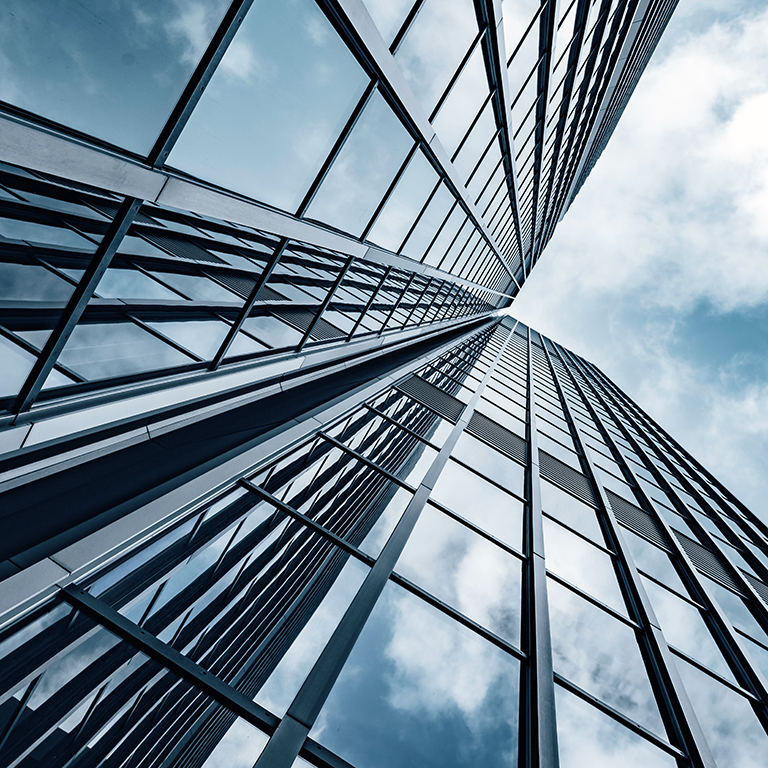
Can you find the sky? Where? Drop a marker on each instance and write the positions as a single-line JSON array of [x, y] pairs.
[[658, 273]]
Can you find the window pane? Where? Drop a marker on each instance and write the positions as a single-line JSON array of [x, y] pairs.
[[481, 503], [363, 169], [388, 15], [97, 351], [276, 104], [601, 655], [132, 284], [587, 737], [571, 511], [30, 282], [111, 69], [421, 689], [201, 337], [15, 365], [489, 462], [466, 571], [434, 46]]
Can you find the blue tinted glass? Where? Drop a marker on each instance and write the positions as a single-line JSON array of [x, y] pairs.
[[407, 199], [363, 169], [272, 331], [201, 337], [96, 351], [276, 104], [466, 571], [421, 689], [132, 284], [30, 282], [111, 68], [587, 737], [15, 364], [388, 15]]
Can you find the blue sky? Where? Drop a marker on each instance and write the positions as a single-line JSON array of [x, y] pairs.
[[659, 271]]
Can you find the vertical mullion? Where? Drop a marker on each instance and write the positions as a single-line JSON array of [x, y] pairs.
[[680, 717], [248, 305], [539, 737], [326, 302], [283, 748], [751, 678], [77, 304]]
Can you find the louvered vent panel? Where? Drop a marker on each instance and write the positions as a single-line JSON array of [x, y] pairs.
[[268, 294], [108, 208], [183, 248], [705, 561], [240, 284], [299, 318], [435, 399], [499, 437], [324, 330], [522, 331], [759, 586], [636, 519], [561, 474]]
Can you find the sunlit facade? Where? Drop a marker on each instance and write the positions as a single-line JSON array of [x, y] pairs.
[[280, 482]]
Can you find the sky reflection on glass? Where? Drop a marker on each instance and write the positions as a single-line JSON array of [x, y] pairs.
[[277, 102], [363, 169], [111, 69], [466, 571], [420, 689], [587, 737], [601, 655], [481, 503]]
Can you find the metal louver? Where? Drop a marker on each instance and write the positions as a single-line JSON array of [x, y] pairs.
[[433, 398], [636, 519], [561, 474], [507, 442]]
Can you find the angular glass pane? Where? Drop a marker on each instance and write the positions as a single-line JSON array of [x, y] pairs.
[[434, 46], [736, 610], [571, 511], [275, 105], [685, 629], [363, 170], [732, 730], [377, 537], [433, 216], [272, 331], [654, 561], [585, 736], [283, 684], [31, 282], [421, 689], [388, 15], [481, 503], [601, 655], [99, 350], [201, 337], [47, 234], [468, 572], [15, 365], [132, 284], [489, 462], [405, 202], [111, 69], [198, 287], [476, 142], [463, 102], [581, 564], [239, 748]]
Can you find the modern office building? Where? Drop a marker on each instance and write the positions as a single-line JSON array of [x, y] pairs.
[[279, 480]]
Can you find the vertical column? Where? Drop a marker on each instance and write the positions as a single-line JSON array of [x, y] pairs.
[[538, 706]]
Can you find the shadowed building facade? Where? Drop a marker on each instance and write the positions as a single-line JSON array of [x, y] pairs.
[[279, 481]]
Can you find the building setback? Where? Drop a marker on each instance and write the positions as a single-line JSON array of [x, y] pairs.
[[280, 482]]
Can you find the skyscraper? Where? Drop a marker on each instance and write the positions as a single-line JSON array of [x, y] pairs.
[[279, 480]]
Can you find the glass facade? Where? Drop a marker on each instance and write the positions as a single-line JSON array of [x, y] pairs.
[[280, 482], [416, 581]]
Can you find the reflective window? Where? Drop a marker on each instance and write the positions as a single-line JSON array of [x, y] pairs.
[[47, 234], [685, 629], [582, 564], [732, 730], [481, 503], [434, 46], [492, 463], [275, 105], [585, 736], [30, 282], [111, 69], [426, 228], [198, 288], [736, 610], [407, 199], [466, 571], [201, 337], [15, 365], [388, 15], [132, 284], [272, 331], [363, 169], [601, 655], [99, 350], [654, 561], [421, 689], [571, 511]]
